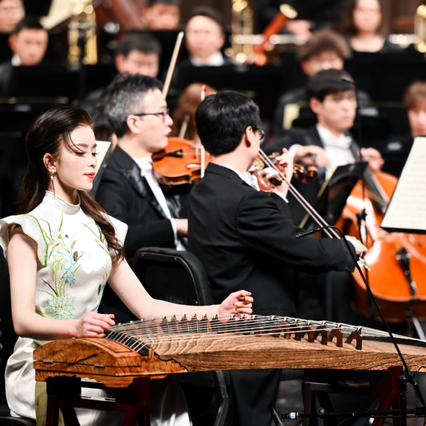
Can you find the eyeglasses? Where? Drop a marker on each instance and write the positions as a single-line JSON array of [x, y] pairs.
[[164, 113], [261, 132]]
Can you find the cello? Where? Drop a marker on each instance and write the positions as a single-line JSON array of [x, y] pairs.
[[397, 261]]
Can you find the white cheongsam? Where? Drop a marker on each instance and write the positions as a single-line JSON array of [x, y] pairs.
[[75, 266]]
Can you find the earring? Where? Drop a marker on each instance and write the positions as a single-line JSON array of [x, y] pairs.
[[52, 172]]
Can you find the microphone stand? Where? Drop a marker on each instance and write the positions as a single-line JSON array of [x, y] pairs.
[[362, 215], [407, 376]]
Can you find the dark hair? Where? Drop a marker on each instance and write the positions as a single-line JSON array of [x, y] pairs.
[[348, 25], [28, 23], [211, 13], [177, 3], [222, 120], [323, 41], [144, 43], [327, 82], [126, 96], [415, 93], [185, 108], [46, 134]]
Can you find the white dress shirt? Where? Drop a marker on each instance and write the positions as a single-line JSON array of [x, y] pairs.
[[215, 60], [145, 165]]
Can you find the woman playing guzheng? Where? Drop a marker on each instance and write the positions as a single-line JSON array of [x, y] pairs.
[[62, 250]]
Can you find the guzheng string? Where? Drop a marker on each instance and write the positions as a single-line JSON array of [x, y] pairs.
[[163, 331]]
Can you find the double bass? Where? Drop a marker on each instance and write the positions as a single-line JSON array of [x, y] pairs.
[[397, 261]]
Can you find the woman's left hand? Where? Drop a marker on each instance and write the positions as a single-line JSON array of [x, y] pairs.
[[238, 303]]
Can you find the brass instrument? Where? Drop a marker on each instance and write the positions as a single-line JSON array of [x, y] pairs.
[[420, 28], [82, 34], [242, 31]]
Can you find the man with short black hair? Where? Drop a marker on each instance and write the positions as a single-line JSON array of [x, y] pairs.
[[29, 43], [242, 235], [11, 12]]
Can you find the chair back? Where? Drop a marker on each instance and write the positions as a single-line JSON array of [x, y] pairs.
[[172, 275]]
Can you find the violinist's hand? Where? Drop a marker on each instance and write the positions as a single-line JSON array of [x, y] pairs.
[[238, 303], [311, 155], [285, 165], [373, 158], [181, 226], [360, 249], [93, 325]]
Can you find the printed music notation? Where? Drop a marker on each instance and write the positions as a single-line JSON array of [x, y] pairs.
[[407, 208]]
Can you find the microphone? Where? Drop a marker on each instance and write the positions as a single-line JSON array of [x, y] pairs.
[[312, 231]]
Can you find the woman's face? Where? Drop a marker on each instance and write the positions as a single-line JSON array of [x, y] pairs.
[[367, 15], [417, 119], [75, 166]]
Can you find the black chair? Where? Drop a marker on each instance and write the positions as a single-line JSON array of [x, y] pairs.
[[179, 277]]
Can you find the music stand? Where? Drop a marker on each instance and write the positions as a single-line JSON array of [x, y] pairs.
[[331, 198], [406, 210]]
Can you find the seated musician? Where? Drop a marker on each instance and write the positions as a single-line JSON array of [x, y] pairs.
[[415, 103], [11, 12], [28, 43], [161, 15], [61, 251], [329, 143], [245, 236], [324, 50]]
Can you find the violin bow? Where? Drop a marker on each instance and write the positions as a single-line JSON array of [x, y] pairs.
[[172, 65]]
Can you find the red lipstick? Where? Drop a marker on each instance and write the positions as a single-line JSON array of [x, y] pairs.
[[90, 175]]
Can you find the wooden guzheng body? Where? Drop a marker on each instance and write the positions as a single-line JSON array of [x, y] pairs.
[[161, 347]]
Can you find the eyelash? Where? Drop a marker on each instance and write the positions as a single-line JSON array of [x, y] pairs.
[[82, 153]]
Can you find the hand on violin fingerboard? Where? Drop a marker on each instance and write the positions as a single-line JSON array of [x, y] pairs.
[[285, 163]]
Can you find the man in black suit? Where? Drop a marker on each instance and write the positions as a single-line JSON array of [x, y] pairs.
[[29, 43], [128, 190], [245, 236]]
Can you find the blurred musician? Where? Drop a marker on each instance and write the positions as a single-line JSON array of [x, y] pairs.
[[161, 15], [324, 50], [28, 43], [245, 236], [363, 26], [204, 37], [11, 12], [415, 102]]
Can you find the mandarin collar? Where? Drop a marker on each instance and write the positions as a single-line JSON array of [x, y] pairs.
[[60, 203]]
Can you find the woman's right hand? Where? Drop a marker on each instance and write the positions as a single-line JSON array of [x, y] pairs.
[[94, 325]]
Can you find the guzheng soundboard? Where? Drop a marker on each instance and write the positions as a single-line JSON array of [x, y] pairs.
[[161, 347]]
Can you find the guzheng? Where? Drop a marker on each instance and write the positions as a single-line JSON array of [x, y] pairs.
[[160, 347]]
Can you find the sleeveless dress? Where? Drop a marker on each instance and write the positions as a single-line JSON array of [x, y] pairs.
[[76, 264]]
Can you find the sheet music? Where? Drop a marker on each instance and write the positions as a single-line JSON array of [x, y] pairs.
[[407, 208], [102, 148]]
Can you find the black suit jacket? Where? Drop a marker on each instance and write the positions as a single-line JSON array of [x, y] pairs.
[[5, 75], [127, 196], [247, 240], [308, 190]]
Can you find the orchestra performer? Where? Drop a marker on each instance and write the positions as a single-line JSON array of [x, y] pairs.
[[61, 252], [11, 12], [245, 236], [28, 43], [161, 15], [329, 142]]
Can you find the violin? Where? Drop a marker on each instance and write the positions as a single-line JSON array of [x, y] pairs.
[[181, 162], [268, 181]]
